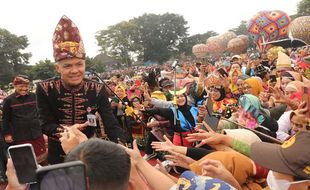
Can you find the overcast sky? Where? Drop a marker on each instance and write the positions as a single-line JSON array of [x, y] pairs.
[[37, 18]]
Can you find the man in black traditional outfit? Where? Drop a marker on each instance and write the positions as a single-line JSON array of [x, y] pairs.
[[72, 100]]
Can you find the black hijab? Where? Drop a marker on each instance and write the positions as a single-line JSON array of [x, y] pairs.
[[185, 109], [222, 92]]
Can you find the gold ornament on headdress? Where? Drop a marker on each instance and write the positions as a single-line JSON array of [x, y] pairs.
[[213, 80], [68, 46], [178, 92]]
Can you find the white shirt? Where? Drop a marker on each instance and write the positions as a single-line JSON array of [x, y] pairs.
[[284, 123]]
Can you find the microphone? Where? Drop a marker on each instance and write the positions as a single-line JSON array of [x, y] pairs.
[[92, 69], [175, 64]]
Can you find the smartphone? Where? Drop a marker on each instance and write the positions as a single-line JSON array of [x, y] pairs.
[[137, 83], [210, 119], [273, 78], [65, 176], [24, 161]]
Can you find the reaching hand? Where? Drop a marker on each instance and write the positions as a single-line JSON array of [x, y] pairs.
[[215, 169], [161, 167], [263, 97], [12, 178], [152, 124], [146, 96], [211, 138], [302, 109], [8, 138], [71, 137], [179, 159], [278, 95], [163, 146], [81, 126], [302, 113], [207, 127], [133, 153]]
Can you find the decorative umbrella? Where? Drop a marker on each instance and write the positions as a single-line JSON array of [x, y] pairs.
[[200, 50], [300, 28], [268, 26]]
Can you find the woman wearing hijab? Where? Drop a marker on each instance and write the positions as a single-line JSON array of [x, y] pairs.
[[253, 116], [134, 120], [289, 76], [239, 84], [186, 117], [253, 86], [294, 91], [221, 103], [118, 108], [234, 73]]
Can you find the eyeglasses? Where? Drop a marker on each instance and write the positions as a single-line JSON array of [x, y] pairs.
[[247, 87]]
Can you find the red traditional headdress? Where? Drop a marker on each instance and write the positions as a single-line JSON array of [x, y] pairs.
[[20, 79], [67, 42]]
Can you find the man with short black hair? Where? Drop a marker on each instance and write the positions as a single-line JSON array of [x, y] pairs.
[[107, 165], [20, 118]]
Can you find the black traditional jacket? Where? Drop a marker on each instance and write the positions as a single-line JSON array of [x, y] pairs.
[[20, 117], [59, 104]]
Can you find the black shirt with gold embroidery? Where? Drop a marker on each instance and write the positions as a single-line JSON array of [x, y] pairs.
[[59, 104]]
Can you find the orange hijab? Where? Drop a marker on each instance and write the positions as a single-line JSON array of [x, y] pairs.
[[256, 85]]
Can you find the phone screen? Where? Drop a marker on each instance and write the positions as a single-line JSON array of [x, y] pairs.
[[65, 176], [24, 162], [210, 119], [273, 78]]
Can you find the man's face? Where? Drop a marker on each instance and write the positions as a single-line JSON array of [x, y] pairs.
[[247, 89], [236, 61], [71, 71], [22, 89], [235, 66], [298, 124], [240, 85], [284, 82]]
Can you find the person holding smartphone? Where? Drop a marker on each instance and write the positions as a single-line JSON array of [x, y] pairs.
[[70, 99], [20, 118]]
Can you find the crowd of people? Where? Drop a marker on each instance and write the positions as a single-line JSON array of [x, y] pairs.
[[236, 122]]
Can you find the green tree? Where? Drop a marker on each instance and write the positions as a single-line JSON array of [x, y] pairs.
[[148, 37], [188, 42], [303, 8], [117, 42], [12, 55], [42, 70], [160, 35], [241, 29]]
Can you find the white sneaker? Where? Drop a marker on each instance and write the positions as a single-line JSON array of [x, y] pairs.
[[149, 156]]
